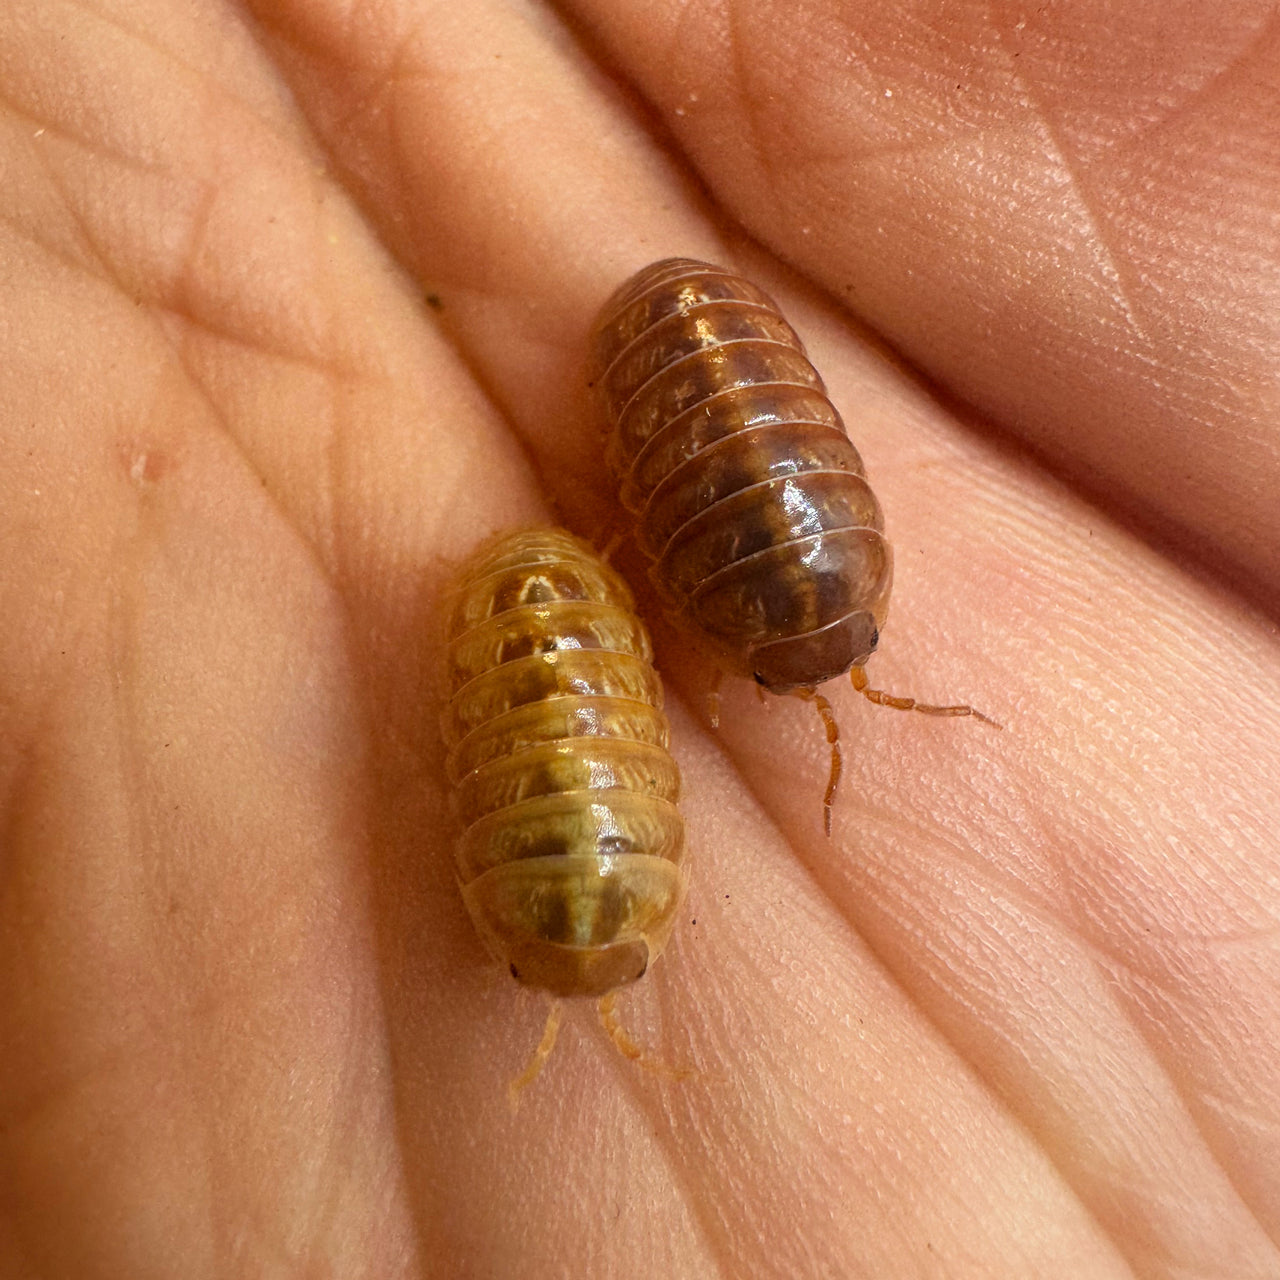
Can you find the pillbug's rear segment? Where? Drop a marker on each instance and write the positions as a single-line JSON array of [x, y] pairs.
[[557, 748], [766, 539]]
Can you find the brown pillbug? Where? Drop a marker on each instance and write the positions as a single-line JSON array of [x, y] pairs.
[[766, 540], [570, 860]]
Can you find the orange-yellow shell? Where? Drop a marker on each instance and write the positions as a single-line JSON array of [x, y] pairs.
[[557, 750]]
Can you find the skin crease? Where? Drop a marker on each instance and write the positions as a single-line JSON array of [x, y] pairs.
[[1020, 1016]]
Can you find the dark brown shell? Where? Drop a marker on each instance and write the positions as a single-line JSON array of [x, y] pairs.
[[557, 748], [766, 539]]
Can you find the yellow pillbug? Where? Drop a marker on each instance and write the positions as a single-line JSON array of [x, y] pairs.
[[570, 861]]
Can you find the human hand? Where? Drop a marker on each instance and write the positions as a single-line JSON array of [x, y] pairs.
[[1018, 1017]]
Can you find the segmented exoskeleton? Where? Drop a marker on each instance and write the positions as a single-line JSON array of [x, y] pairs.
[[570, 859], [767, 542]]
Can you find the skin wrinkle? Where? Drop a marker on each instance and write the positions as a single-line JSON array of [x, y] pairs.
[[403, 72], [740, 62], [224, 428], [54, 129], [28, 236], [1265, 1126], [694, 1191], [211, 84], [383, 78], [305, 360], [56, 1092], [52, 679], [119, 616], [1217, 1147], [407, 70], [1203, 94], [185, 288], [1187, 1101], [202, 1015], [1110, 262], [917, 146], [139, 35], [149, 1038], [200, 219], [331, 1168], [108, 275], [322, 553]]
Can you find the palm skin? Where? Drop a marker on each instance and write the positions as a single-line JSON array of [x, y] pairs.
[[1019, 1016]]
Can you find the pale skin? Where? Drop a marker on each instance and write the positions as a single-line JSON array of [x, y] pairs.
[[296, 298]]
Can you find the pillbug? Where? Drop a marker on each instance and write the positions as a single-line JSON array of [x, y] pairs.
[[570, 857], [750, 500]]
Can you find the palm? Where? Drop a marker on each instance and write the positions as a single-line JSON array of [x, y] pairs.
[[1018, 1017]]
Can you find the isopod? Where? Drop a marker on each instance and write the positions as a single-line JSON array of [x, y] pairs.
[[750, 500], [570, 861]]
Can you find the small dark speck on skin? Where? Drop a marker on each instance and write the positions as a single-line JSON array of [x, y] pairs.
[[694, 920], [433, 301]]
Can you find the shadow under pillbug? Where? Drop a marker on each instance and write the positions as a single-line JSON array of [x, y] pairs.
[[570, 861], [767, 542]]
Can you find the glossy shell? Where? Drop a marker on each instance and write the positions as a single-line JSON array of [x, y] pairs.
[[557, 750], [766, 539]]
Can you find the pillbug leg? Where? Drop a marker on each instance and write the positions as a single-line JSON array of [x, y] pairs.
[[608, 536], [533, 1068], [616, 540], [882, 699], [713, 698], [625, 1045], [833, 739], [608, 1013]]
